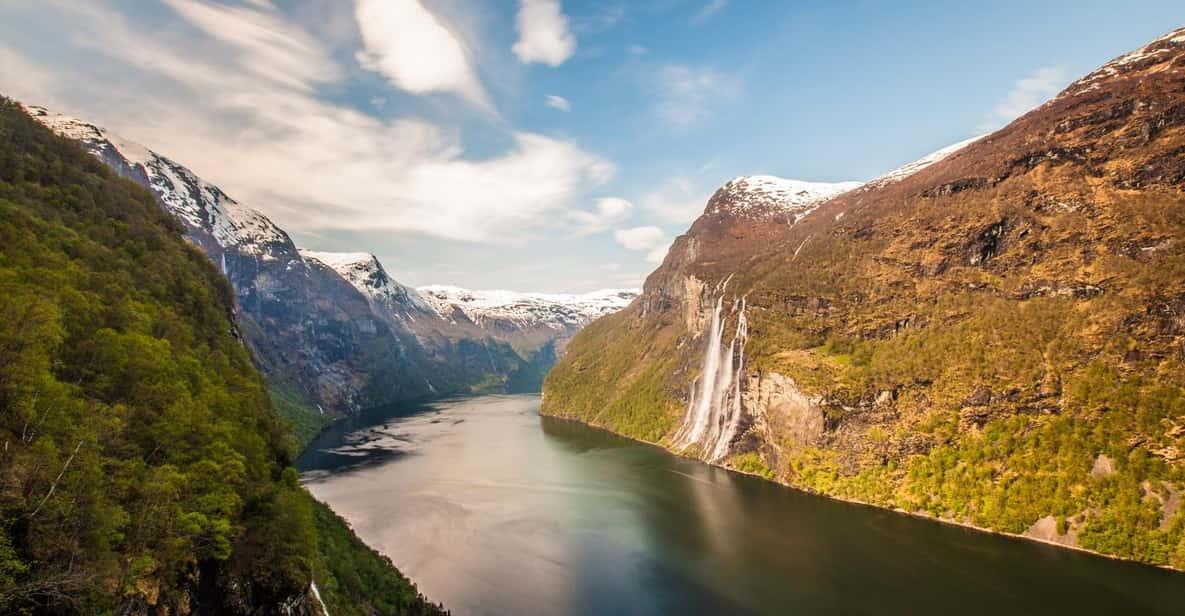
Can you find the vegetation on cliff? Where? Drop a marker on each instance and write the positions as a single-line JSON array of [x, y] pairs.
[[994, 340], [142, 466]]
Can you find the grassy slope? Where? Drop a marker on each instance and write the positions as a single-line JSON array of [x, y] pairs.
[[142, 463]]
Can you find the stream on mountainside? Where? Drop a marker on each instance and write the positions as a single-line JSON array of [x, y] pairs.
[[492, 509]]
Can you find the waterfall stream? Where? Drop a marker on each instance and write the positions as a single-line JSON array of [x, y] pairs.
[[715, 408]]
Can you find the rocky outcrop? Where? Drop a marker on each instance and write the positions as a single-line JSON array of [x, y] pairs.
[[782, 412]]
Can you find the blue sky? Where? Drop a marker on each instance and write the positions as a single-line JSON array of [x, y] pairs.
[[538, 144]]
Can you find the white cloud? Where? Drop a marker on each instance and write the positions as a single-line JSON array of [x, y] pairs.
[[608, 212], [687, 94], [637, 50], [650, 239], [543, 34], [270, 49], [676, 201], [1025, 95], [708, 10], [415, 50], [205, 99], [557, 102]]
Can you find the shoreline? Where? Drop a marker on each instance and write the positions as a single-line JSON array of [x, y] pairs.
[[853, 501]]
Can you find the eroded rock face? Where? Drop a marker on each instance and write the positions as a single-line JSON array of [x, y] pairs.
[[781, 411], [1046, 529]]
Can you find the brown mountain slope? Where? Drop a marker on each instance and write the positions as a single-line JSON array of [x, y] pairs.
[[997, 339]]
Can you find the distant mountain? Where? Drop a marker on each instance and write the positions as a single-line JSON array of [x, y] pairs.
[[993, 335], [524, 319], [334, 332], [522, 334]]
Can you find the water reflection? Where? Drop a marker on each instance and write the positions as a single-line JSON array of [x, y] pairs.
[[494, 510]]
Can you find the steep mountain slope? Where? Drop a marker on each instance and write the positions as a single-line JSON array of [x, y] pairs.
[[993, 335], [306, 326], [333, 332], [143, 469]]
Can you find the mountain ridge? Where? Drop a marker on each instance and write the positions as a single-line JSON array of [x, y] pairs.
[[333, 332]]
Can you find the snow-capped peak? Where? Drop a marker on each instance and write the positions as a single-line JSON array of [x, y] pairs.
[[523, 310], [197, 203], [364, 271], [756, 196]]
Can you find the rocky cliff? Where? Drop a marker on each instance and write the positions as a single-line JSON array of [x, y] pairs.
[[964, 337]]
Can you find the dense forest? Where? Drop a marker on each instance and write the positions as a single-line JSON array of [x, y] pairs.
[[143, 468]]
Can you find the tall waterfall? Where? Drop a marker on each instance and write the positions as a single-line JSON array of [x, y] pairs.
[[714, 411]]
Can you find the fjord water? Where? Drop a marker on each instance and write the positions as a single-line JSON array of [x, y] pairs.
[[492, 509]]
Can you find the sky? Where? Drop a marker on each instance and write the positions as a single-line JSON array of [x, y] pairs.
[[543, 145]]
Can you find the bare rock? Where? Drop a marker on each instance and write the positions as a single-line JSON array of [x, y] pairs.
[[1045, 529], [1104, 466]]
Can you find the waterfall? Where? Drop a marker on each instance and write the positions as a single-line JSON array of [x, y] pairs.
[[317, 595], [714, 411]]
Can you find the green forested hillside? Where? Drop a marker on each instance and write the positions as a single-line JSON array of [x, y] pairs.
[[142, 465]]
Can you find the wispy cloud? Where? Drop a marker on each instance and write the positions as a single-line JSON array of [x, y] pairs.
[[557, 102], [678, 201], [687, 94], [399, 35], [543, 34], [219, 91], [609, 211], [708, 10], [650, 239], [1026, 94], [604, 18]]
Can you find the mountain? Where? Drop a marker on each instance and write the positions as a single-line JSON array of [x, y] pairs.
[[144, 468], [526, 320], [334, 332], [991, 336], [309, 329]]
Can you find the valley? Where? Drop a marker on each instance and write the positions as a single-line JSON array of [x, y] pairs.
[[452, 308]]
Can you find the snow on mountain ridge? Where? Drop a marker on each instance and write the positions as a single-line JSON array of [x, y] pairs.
[[556, 311], [364, 271], [187, 196], [765, 195], [908, 169], [1155, 49]]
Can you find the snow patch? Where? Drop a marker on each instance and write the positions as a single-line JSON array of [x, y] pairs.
[[765, 195], [525, 310], [1163, 48], [908, 169], [365, 273]]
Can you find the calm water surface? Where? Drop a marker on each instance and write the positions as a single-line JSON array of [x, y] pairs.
[[492, 509]]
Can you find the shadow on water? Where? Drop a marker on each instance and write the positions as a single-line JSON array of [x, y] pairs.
[[492, 509]]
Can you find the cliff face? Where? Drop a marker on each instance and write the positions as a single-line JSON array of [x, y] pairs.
[[963, 337]]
